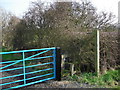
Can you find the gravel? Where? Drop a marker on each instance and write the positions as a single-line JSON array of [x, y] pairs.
[[11, 73], [60, 84], [48, 84], [8, 80], [64, 83]]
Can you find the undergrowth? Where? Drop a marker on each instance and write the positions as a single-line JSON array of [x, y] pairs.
[[109, 80]]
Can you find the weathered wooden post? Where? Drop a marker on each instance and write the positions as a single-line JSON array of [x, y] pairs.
[[119, 34], [98, 54], [72, 71]]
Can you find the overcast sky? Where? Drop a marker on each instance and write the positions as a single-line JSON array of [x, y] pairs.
[[18, 7]]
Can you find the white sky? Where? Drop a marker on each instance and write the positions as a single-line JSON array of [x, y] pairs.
[[18, 7], [106, 5]]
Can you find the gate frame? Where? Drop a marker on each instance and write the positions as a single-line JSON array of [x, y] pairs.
[[56, 64]]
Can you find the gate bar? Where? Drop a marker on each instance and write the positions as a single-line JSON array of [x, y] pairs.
[[24, 71]]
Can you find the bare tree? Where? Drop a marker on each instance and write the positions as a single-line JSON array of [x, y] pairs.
[[7, 24]]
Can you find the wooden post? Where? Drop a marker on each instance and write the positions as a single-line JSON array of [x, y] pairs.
[[58, 64], [98, 54], [72, 69], [119, 34]]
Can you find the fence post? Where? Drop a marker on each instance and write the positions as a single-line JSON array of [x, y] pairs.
[[98, 54], [58, 64]]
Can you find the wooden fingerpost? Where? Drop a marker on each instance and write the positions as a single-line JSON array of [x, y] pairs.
[[98, 54]]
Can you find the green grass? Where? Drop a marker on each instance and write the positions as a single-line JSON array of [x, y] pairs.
[[110, 79], [11, 57], [15, 56]]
